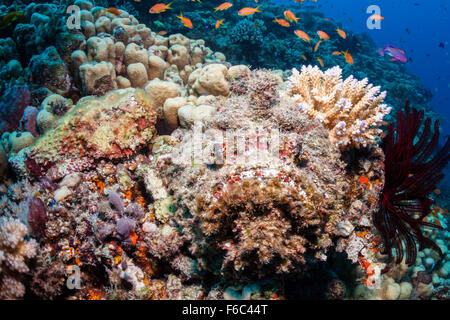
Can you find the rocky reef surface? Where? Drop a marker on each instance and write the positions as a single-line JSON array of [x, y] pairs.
[[153, 167]]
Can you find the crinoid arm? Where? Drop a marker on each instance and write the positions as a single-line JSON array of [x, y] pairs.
[[413, 168]]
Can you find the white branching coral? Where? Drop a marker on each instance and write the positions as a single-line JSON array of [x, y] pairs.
[[352, 110], [14, 251]]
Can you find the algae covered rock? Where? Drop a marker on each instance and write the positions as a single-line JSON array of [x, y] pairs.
[[113, 126], [49, 70]]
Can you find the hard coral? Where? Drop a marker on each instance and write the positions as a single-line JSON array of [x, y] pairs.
[[14, 253], [412, 172], [114, 126], [248, 218], [351, 109]]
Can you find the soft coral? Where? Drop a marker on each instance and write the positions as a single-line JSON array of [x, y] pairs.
[[412, 172]]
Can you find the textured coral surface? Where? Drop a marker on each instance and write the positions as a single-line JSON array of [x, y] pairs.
[[140, 165]]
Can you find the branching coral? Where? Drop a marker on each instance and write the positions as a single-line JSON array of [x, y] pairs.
[[412, 172], [351, 109], [14, 251]]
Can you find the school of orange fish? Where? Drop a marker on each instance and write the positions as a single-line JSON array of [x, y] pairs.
[[289, 18]]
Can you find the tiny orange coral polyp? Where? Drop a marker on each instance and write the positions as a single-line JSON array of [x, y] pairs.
[[101, 186], [363, 179], [141, 201], [128, 194]]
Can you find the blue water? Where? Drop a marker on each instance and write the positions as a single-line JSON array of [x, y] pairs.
[[417, 26]]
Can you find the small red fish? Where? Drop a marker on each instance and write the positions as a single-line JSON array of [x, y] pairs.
[[282, 22], [323, 35], [224, 6], [348, 57], [376, 17], [317, 45], [113, 11], [248, 11], [185, 21], [302, 35], [341, 33], [160, 7], [290, 16], [219, 23], [321, 62]]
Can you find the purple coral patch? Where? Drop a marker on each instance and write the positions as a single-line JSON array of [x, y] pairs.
[[12, 107], [37, 216], [28, 120]]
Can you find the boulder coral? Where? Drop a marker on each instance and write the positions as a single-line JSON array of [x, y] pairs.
[[114, 126]]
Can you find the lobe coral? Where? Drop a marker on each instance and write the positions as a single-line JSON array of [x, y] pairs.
[[412, 172]]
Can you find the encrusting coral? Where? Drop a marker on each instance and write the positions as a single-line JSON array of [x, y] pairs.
[[114, 126], [352, 110]]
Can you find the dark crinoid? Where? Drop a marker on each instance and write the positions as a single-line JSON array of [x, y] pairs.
[[412, 169]]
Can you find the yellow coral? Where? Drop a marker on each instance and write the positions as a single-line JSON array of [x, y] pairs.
[[351, 109]]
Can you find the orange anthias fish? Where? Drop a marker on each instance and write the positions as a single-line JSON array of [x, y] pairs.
[[336, 53], [219, 23], [302, 35], [363, 179], [248, 11], [161, 33], [160, 7], [317, 45], [224, 6], [113, 11], [376, 17], [185, 21], [348, 57], [304, 57], [282, 22], [341, 33], [321, 62], [290, 16], [323, 35]]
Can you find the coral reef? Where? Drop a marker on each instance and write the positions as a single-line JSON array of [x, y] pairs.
[[154, 162]]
